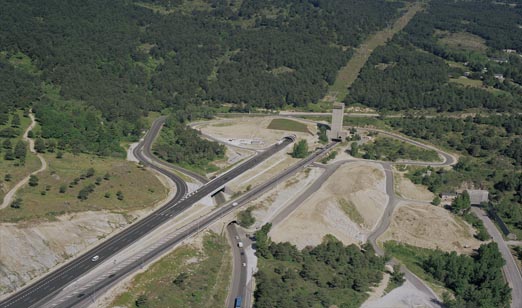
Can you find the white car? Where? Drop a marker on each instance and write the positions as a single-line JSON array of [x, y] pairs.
[[244, 264], [234, 204], [95, 258]]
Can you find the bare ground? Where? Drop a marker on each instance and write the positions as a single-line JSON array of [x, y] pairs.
[[405, 188], [360, 184], [405, 296], [240, 131], [431, 227]]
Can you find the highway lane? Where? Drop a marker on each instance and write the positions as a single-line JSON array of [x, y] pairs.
[[146, 147], [239, 272], [194, 228], [510, 269], [36, 294]]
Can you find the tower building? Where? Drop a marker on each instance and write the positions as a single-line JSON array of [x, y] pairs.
[[337, 132]]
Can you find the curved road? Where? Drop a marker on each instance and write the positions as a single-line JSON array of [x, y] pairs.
[[146, 147], [36, 294]]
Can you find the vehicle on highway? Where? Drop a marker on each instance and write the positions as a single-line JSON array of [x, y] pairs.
[[95, 258], [237, 302], [234, 204], [240, 244]]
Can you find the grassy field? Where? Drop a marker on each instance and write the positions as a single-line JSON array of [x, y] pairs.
[[139, 188], [187, 277], [463, 41], [349, 73], [13, 167], [351, 211], [475, 84], [289, 125], [385, 148]]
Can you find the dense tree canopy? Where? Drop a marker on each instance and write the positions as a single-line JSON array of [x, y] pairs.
[[322, 276]]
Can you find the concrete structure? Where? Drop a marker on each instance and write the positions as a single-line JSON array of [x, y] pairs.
[[337, 133], [477, 196]]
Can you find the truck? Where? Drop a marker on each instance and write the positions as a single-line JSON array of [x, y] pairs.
[[237, 302], [240, 244]]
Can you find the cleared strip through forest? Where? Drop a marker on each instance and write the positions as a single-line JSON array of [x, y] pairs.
[[349, 73]]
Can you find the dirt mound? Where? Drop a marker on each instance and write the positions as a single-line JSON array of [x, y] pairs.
[[407, 189], [347, 206], [432, 227]]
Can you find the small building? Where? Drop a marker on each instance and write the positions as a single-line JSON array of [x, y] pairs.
[[478, 196], [499, 77], [510, 51]]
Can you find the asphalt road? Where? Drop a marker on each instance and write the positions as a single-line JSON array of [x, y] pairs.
[[239, 272], [510, 269], [448, 159], [44, 289], [111, 279], [146, 147]]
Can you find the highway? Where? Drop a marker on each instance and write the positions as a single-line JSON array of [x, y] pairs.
[[239, 272], [37, 293], [146, 147], [193, 228]]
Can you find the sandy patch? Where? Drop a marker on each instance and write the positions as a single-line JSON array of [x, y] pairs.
[[271, 203], [313, 220], [360, 184], [431, 227], [250, 132], [378, 291], [405, 296], [407, 189]]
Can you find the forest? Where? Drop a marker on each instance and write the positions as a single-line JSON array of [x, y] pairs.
[[181, 144], [475, 281], [447, 41], [328, 274], [493, 149], [126, 58], [399, 77]]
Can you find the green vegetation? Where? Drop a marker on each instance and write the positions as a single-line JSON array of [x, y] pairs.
[[384, 148], [187, 277], [245, 218], [326, 275], [476, 281], [415, 79], [331, 155], [70, 186], [352, 212], [495, 147], [183, 145], [15, 161], [289, 125], [122, 59], [349, 73], [300, 149], [396, 279]]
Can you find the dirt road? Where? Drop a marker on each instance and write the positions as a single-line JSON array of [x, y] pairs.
[[12, 192]]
